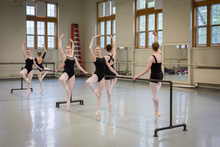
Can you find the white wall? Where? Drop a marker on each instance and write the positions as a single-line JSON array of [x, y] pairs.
[[13, 32]]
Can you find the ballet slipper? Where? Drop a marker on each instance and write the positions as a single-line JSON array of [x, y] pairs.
[[157, 114], [97, 93], [41, 91], [67, 107], [28, 94], [98, 115], [109, 107]]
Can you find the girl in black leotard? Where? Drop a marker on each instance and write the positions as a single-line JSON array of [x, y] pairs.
[[39, 61], [99, 73], [110, 57], [67, 79], [154, 64], [28, 68]]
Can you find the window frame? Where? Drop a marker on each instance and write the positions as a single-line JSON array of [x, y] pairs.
[[195, 27], [140, 12], [45, 19], [104, 19]]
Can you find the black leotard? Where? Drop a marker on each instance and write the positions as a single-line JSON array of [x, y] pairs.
[[100, 68], [28, 65], [156, 72], [40, 65], [69, 66], [107, 70]]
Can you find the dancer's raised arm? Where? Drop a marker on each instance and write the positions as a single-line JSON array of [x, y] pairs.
[[73, 46], [111, 69], [60, 47], [90, 48], [113, 47], [156, 40], [22, 49], [79, 67]]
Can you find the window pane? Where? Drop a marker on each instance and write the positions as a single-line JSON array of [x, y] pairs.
[[102, 41], [40, 41], [160, 21], [215, 34], [151, 22], [30, 27], [142, 23], [30, 10], [41, 9], [202, 16], [150, 38], [113, 27], [141, 4], [30, 41], [40, 28], [151, 4], [108, 27], [160, 37], [101, 9], [51, 28], [114, 38], [102, 28], [51, 9], [108, 40], [51, 42], [107, 8], [142, 39], [215, 14], [202, 35], [113, 6]]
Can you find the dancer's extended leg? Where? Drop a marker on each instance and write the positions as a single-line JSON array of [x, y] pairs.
[[30, 75], [70, 84], [108, 90], [155, 89]]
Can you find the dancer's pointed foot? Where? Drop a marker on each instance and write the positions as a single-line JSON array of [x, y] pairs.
[[109, 107], [157, 114], [28, 94], [97, 93], [67, 107], [41, 90], [98, 115]]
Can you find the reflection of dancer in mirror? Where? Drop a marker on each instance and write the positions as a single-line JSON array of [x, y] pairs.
[[99, 73], [110, 58], [28, 68], [154, 64], [39, 61], [67, 79]]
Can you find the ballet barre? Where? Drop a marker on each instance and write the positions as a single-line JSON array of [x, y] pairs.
[[171, 126]]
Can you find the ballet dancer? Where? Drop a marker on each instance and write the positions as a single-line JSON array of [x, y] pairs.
[[99, 73], [67, 79], [110, 58], [28, 67], [154, 64], [39, 61]]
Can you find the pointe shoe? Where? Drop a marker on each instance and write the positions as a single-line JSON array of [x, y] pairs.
[[98, 115], [67, 107], [97, 93], [41, 91], [157, 114], [28, 94], [109, 107]]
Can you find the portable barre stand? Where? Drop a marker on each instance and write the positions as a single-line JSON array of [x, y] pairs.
[[171, 126], [21, 85], [81, 102]]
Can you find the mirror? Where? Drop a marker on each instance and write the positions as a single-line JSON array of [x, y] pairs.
[[176, 62]]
